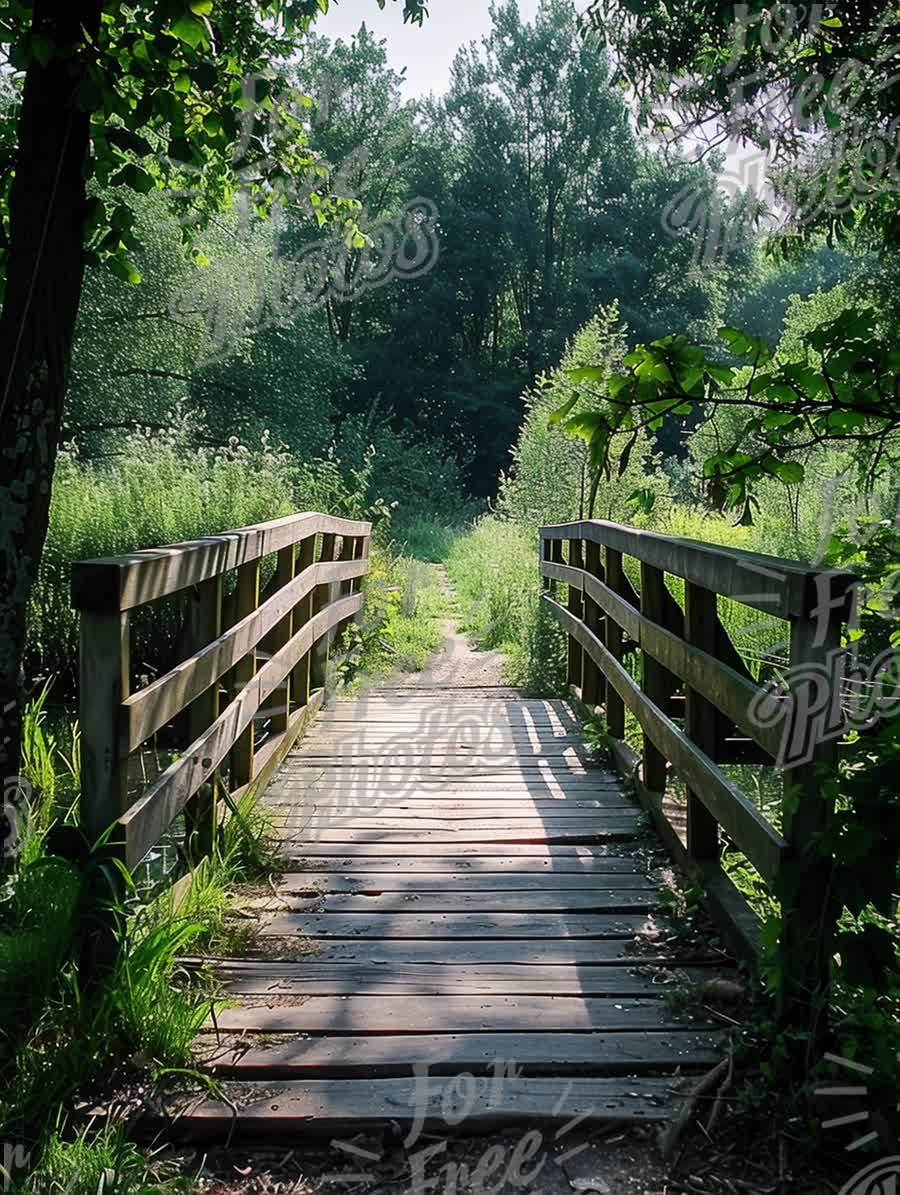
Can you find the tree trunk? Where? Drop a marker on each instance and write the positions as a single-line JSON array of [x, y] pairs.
[[44, 278]]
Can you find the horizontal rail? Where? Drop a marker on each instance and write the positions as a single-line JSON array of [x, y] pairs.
[[146, 820], [268, 666], [126, 582], [784, 588], [726, 688], [694, 698], [740, 819], [148, 710]]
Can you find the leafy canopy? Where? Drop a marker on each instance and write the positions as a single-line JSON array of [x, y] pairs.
[[189, 97]]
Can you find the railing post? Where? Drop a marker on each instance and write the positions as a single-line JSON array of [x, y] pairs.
[[701, 717], [104, 682], [593, 681], [808, 918], [205, 625], [576, 607], [306, 555], [656, 680], [318, 664], [615, 706], [246, 601], [279, 705]]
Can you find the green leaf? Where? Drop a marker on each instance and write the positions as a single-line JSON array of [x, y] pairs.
[[585, 373], [191, 31], [201, 7], [561, 412]]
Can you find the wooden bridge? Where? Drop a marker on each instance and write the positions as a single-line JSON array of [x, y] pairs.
[[465, 894]]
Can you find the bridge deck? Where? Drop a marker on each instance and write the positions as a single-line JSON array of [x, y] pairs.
[[461, 890]]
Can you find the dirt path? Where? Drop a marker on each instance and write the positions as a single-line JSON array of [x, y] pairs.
[[456, 663]]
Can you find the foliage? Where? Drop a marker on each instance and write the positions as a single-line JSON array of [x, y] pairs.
[[811, 87], [157, 492], [845, 389], [548, 482]]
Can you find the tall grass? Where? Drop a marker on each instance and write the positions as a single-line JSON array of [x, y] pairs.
[[156, 492]]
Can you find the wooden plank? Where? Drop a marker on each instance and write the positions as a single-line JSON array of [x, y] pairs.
[[734, 812], [301, 883], [472, 1053], [576, 608], [354, 821], [340, 809], [449, 900], [341, 1015], [573, 857], [459, 925], [612, 637], [614, 828], [333, 1108], [559, 862], [153, 706], [305, 563], [311, 978], [782, 588], [205, 625], [123, 582], [322, 597], [580, 952]]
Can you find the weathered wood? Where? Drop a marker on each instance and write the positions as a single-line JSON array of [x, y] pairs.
[[329, 1108], [322, 596], [104, 668], [607, 900], [559, 862], [152, 707], [246, 604], [657, 682], [579, 856], [123, 583], [308, 883], [810, 917], [472, 1053], [612, 829], [739, 817], [728, 688], [783, 588], [615, 707], [576, 608], [205, 622], [460, 925], [337, 1015], [146, 819], [278, 706], [304, 565], [592, 684], [311, 978], [701, 724]]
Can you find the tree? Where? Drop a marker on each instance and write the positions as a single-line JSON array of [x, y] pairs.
[[177, 95]]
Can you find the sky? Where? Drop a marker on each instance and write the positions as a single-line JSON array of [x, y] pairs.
[[426, 51]]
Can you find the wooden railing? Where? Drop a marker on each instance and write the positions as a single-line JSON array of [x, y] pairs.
[[269, 660], [698, 704]]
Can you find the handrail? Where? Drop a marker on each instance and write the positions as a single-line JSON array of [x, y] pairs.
[[695, 700], [271, 662]]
